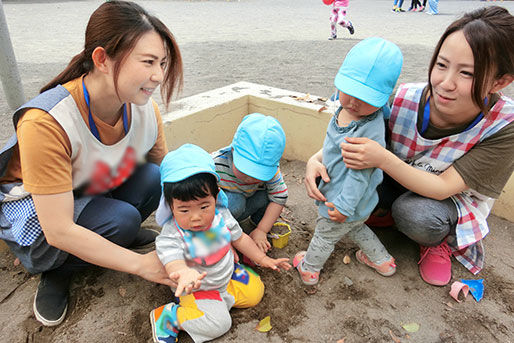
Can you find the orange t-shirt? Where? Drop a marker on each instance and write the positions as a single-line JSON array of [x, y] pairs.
[[42, 157]]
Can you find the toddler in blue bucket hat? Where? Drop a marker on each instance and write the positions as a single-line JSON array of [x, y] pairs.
[[250, 174], [195, 248], [364, 83]]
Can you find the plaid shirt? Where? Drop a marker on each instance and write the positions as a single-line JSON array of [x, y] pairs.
[[436, 155]]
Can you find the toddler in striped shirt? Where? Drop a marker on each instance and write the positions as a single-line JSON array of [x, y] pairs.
[[250, 174]]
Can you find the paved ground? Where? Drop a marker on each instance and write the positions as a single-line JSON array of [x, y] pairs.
[[281, 43]]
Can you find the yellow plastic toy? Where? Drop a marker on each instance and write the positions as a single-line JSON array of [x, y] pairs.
[[280, 235]]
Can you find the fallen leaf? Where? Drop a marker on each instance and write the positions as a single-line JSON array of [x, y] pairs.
[[411, 327], [346, 259], [395, 339], [16, 262], [122, 291], [264, 325], [341, 340], [322, 108]]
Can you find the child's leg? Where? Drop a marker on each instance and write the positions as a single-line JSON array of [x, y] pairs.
[[341, 17], [369, 243], [242, 207], [326, 235], [256, 206], [236, 204], [245, 287], [372, 253], [333, 22], [204, 315]]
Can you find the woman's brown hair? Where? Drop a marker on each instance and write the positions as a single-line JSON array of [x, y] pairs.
[[117, 26], [489, 32]]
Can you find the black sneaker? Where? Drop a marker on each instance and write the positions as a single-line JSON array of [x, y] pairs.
[[350, 28], [144, 239], [51, 300]]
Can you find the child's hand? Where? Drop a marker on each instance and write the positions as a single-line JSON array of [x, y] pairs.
[[261, 240], [187, 279], [275, 263], [334, 214]]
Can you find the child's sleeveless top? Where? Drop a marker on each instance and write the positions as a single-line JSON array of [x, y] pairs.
[[96, 168], [207, 247], [436, 155]]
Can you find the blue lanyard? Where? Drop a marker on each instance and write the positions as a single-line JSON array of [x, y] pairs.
[[426, 117], [92, 125]]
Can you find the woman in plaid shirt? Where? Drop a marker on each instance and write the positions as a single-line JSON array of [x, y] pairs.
[[450, 148]]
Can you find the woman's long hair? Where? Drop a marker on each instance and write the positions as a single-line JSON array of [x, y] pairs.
[[116, 26], [489, 32]]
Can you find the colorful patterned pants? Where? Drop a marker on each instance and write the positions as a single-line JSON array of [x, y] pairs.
[[338, 16], [205, 315]]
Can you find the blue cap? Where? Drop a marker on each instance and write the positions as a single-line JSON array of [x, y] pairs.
[[178, 165], [186, 161], [370, 70], [258, 145]]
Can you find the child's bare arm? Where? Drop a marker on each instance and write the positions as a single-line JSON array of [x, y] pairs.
[[248, 247], [259, 235], [186, 278]]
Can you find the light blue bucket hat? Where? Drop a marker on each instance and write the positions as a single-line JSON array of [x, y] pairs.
[[258, 144], [370, 70], [178, 165]]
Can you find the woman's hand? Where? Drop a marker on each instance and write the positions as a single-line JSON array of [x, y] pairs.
[[314, 169], [153, 270], [362, 153]]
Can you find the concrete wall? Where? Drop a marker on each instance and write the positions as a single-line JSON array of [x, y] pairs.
[[210, 119]]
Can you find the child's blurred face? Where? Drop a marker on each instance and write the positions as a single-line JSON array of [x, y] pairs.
[[194, 215], [243, 177], [356, 107]]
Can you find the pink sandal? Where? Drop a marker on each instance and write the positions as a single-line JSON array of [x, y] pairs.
[[308, 278]]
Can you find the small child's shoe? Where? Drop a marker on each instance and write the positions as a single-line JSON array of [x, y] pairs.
[[386, 268], [350, 28], [332, 37], [165, 323], [308, 278]]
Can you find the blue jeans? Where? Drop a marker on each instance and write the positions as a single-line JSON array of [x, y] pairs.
[[116, 216], [253, 207]]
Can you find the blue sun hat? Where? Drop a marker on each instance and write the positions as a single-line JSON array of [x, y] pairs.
[[258, 144], [370, 70], [178, 165]]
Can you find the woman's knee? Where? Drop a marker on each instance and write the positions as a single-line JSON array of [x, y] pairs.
[[115, 220], [424, 220]]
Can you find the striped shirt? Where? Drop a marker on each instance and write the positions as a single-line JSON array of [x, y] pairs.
[[276, 187]]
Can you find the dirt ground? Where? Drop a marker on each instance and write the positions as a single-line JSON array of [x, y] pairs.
[[351, 301]]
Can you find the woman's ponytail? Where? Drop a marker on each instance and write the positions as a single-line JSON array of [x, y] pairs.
[[79, 65]]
